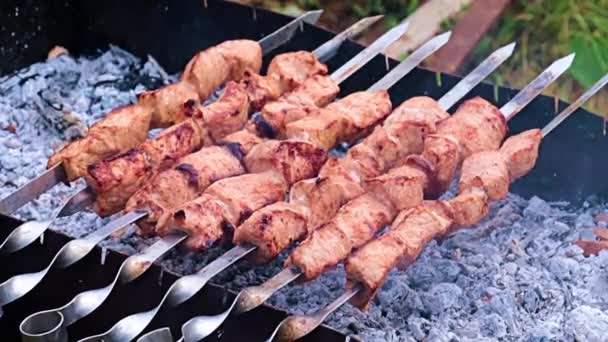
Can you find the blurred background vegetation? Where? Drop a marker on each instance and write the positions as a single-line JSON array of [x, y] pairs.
[[544, 30]]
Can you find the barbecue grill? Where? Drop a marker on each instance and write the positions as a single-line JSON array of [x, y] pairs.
[[172, 33]]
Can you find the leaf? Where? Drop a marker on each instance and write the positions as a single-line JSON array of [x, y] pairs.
[[591, 60]]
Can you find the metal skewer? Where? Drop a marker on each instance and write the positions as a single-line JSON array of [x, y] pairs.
[[28, 232], [186, 287], [297, 326], [56, 174], [84, 303], [251, 297], [73, 251]]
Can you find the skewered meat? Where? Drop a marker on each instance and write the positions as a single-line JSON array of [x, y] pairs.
[[218, 64], [244, 139], [286, 72], [521, 151], [224, 116], [282, 156], [401, 134], [315, 201], [354, 225], [126, 127], [315, 92], [415, 227], [342, 120], [113, 186], [122, 129], [223, 206], [186, 180], [477, 124], [487, 170]]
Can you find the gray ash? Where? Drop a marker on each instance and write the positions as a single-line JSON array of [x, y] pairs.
[[515, 276]]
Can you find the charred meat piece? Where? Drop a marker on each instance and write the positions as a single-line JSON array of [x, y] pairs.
[[477, 125], [190, 176], [442, 153], [122, 129], [487, 170], [237, 197], [521, 151], [224, 116], [165, 103], [241, 142], [116, 178], [305, 100], [355, 224], [401, 135], [273, 228], [295, 160], [411, 231], [323, 196], [286, 72], [402, 187], [218, 64], [343, 120], [470, 206]]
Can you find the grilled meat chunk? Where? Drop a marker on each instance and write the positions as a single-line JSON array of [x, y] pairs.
[[243, 139], [296, 67], [190, 176], [521, 151], [122, 129], [272, 229], [355, 224], [285, 73], [295, 160], [470, 206], [342, 120], [487, 170], [218, 64], [323, 196], [238, 197], [116, 178], [224, 116], [400, 135], [442, 153], [165, 103], [477, 124], [411, 231], [305, 100], [402, 187]]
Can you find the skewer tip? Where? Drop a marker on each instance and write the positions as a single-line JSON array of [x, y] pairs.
[[373, 19], [507, 49], [443, 38], [311, 17], [565, 62]]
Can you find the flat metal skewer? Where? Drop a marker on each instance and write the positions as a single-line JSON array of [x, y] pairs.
[[28, 232], [199, 329], [131, 326], [40, 326], [73, 251], [56, 174], [251, 297], [297, 326]]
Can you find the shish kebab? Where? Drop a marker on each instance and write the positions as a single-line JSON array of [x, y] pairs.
[[228, 202], [276, 227], [116, 178], [205, 72], [230, 158], [73, 251], [485, 177]]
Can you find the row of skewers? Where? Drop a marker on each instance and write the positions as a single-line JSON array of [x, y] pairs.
[[233, 188]]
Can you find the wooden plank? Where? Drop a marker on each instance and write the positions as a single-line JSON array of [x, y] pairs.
[[425, 22], [467, 32]]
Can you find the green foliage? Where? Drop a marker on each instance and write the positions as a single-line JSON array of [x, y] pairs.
[[546, 30]]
